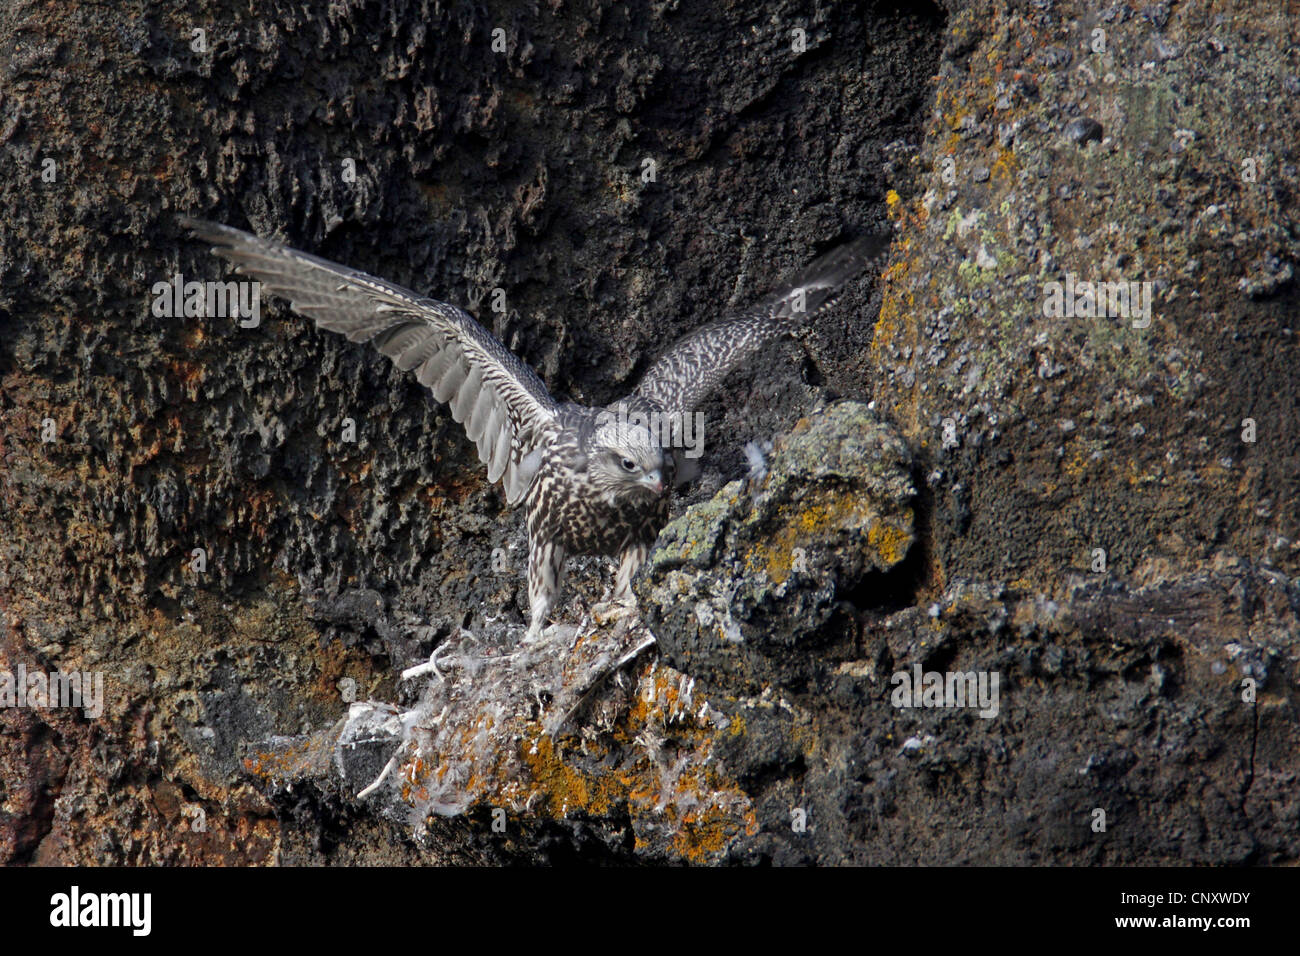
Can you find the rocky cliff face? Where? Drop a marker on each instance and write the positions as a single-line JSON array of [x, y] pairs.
[[982, 462]]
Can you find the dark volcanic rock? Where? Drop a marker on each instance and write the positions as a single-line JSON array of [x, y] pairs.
[[1097, 506], [1083, 129]]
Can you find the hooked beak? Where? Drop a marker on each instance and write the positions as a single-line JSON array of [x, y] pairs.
[[653, 481]]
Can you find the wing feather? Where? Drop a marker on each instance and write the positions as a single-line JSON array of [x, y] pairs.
[[692, 368], [466, 395], [448, 385], [437, 365], [478, 419], [500, 451], [503, 405]]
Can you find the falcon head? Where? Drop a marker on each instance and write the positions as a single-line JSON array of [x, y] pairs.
[[627, 461]]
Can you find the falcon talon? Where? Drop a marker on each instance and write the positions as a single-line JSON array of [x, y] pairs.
[[593, 481]]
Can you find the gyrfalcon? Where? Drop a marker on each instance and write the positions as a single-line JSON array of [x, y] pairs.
[[593, 480]]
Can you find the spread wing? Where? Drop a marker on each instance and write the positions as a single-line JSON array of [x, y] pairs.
[[692, 368], [503, 405]]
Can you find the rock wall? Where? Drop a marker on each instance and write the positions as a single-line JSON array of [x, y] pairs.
[[1099, 510]]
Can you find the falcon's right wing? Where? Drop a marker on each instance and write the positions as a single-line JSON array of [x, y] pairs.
[[503, 405], [693, 367]]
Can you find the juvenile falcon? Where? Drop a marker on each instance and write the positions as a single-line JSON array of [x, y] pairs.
[[593, 480]]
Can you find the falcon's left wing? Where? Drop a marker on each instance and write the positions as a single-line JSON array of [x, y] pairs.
[[692, 368]]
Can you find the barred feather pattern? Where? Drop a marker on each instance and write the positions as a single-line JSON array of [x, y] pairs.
[[506, 410], [548, 455], [697, 364]]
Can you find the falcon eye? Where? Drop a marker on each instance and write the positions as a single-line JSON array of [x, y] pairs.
[[629, 464]]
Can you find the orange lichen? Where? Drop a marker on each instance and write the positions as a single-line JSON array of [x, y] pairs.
[[566, 790]]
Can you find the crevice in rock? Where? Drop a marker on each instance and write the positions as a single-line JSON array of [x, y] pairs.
[[892, 590]]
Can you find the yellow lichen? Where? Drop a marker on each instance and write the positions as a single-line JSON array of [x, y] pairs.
[[817, 523], [889, 541]]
